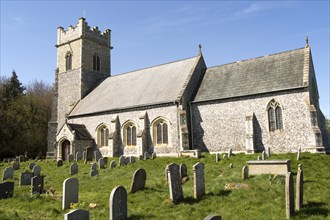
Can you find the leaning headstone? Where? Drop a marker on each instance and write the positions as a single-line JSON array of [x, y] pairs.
[[77, 214], [37, 184], [183, 171], [217, 157], [153, 155], [36, 170], [299, 189], [31, 165], [94, 166], [268, 151], [140, 157], [298, 153], [230, 152], [8, 173], [70, 158], [97, 155], [73, 169], [118, 203], [231, 165], [59, 163], [21, 158], [70, 192], [121, 160], [199, 182], [263, 155], [113, 164], [289, 196], [78, 156], [25, 178], [6, 190], [146, 155], [101, 163], [213, 217], [139, 180], [175, 184], [94, 173], [245, 172], [132, 159]]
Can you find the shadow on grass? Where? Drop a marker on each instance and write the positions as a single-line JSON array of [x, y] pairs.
[[314, 208], [220, 193], [147, 216]]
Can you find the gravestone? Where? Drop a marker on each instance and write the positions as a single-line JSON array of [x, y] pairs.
[[183, 171], [263, 155], [25, 178], [258, 158], [153, 155], [39, 157], [5, 160], [224, 156], [230, 152], [89, 154], [289, 195], [70, 158], [37, 184], [118, 203], [101, 163], [31, 165], [78, 156], [213, 217], [113, 164], [298, 153], [70, 192], [268, 151], [105, 159], [217, 157], [121, 160], [140, 157], [166, 173], [6, 190], [59, 163], [77, 214], [8, 173], [97, 155], [21, 159], [84, 155], [73, 169], [146, 155], [175, 184], [94, 173], [199, 181], [132, 159], [231, 165], [94, 166], [299, 189], [126, 160], [138, 180], [36, 170], [245, 172]]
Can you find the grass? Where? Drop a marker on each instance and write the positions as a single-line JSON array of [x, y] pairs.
[[263, 199]]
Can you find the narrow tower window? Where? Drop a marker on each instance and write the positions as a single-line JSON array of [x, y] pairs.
[[96, 62], [68, 61]]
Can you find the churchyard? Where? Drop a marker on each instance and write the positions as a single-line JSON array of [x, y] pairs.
[[227, 194]]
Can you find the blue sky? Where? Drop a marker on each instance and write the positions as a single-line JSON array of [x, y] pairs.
[[147, 33]]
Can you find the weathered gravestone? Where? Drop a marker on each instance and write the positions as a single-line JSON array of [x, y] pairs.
[[166, 173], [6, 190], [299, 188], [212, 217], [89, 154], [224, 156], [263, 155], [245, 172], [289, 196], [59, 163], [70, 158], [113, 164], [5, 160], [139, 180], [78, 156], [140, 157], [101, 163], [183, 171], [8, 173], [31, 165], [21, 159], [16, 159], [268, 151], [16, 165], [298, 153], [36, 170], [73, 169], [70, 192], [94, 166], [175, 184], [97, 155], [118, 203], [153, 155], [199, 182], [126, 160], [217, 157], [231, 165], [121, 160], [230, 152], [37, 184], [146, 155], [258, 158], [77, 214], [132, 159], [25, 178], [84, 155], [105, 159], [39, 157], [94, 173]]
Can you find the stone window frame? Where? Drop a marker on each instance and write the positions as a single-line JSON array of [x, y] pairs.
[[68, 61], [275, 115], [102, 135], [158, 126], [129, 140], [96, 62]]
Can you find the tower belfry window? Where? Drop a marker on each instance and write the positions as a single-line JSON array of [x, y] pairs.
[[96, 62], [68, 61]]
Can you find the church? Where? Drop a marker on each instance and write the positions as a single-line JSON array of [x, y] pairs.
[[181, 107]]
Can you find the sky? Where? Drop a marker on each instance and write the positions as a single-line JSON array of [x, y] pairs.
[[149, 33]]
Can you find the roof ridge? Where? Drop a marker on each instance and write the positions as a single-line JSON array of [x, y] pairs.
[[254, 58]]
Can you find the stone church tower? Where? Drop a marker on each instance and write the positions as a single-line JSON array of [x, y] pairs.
[[83, 62]]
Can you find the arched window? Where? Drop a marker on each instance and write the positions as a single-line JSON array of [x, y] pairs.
[[275, 119], [129, 130], [96, 62], [102, 136], [160, 132], [68, 61]]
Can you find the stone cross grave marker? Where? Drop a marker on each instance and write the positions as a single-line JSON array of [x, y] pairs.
[[31, 165], [8, 173], [121, 160], [70, 158], [97, 155], [183, 171], [73, 169], [70, 192], [132, 159], [78, 156], [37, 184], [101, 163], [77, 214], [94, 166], [199, 181], [36, 170], [113, 164], [59, 163], [175, 184], [299, 189], [217, 157], [118, 203], [6, 190], [245, 172], [25, 178], [289, 195], [138, 180], [94, 173]]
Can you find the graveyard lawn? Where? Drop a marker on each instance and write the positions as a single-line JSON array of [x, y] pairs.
[[263, 197]]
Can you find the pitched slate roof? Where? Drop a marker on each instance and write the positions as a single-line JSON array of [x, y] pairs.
[[154, 85], [80, 131], [254, 76]]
